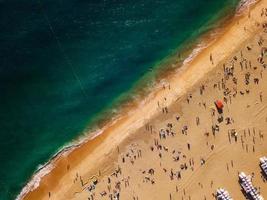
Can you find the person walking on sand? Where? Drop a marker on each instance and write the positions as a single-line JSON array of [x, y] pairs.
[[197, 121], [211, 59]]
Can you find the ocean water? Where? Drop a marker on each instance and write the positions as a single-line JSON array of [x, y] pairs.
[[62, 62]]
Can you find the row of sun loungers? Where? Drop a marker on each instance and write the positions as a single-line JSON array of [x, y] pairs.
[[223, 194], [249, 189], [246, 184], [263, 164]]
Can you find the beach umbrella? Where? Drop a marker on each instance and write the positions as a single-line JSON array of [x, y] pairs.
[[219, 104]]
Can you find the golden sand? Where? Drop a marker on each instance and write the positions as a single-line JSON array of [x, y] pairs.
[[132, 159]]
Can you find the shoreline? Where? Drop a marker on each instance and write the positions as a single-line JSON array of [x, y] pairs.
[[97, 138]]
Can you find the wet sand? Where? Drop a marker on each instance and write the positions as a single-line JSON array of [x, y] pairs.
[[176, 145]]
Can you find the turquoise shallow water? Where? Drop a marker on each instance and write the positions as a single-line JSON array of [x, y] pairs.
[[62, 62]]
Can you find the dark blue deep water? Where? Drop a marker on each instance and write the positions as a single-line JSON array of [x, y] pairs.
[[64, 61]]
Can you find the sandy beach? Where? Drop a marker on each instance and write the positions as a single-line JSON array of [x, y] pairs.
[[176, 145]]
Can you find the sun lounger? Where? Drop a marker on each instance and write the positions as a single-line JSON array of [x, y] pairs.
[[246, 184], [223, 194]]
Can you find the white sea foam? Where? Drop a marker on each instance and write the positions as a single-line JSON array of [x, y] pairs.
[[43, 170], [35, 181], [243, 5], [195, 52]]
